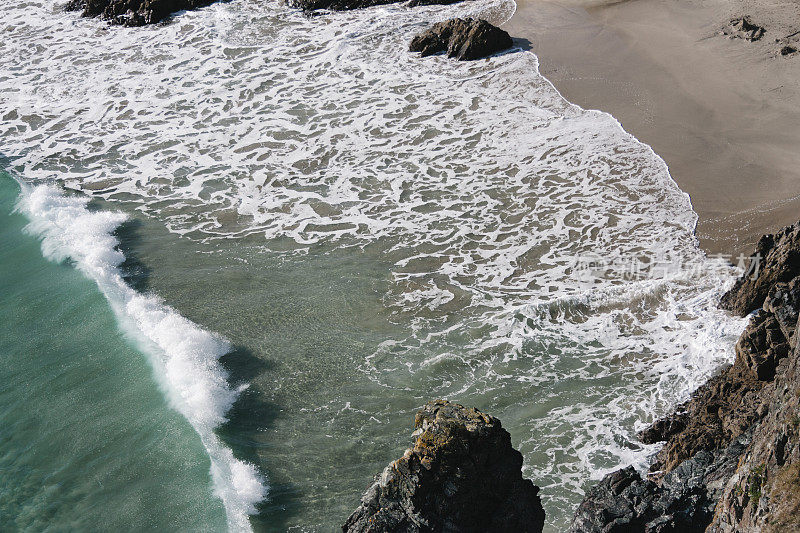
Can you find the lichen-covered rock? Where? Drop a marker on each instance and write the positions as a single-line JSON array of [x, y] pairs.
[[460, 475], [778, 259], [134, 12], [463, 39], [764, 493]]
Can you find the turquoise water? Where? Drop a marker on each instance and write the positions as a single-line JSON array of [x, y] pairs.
[[87, 440]]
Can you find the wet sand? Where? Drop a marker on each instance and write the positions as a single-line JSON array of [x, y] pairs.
[[723, 112]]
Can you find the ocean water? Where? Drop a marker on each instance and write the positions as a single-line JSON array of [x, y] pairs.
[[302, 233], [84, 426]]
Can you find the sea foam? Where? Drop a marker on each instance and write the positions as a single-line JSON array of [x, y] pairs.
[[184, 357], [477, 183]]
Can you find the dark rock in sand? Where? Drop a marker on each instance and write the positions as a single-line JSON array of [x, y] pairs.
[[788, 50], [134, 12], [742, 28], [460, 475], [778, 262], [462, 39]]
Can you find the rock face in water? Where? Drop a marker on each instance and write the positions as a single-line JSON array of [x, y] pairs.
[[143, 12], [134, 12], [345, 5], [337, 5], [462, 39], [460, 475], [683, 501], [731, 458]]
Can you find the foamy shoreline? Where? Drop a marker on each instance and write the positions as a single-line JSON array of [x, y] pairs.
[[723, 113]]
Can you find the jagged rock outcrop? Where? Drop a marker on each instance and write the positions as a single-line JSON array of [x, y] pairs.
[[719, 411], [460, 475], [134, 12], [683, 501], [143, 12], [415, 3], [727, 404], [762, 346], [462, 39], [336, 5], [764, 493], [778, 258], [731, 458]]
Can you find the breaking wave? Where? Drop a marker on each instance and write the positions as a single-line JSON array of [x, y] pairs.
[[184, 357]]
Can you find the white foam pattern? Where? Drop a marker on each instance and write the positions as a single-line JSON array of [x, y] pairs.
[[477, 183], [185, 358]]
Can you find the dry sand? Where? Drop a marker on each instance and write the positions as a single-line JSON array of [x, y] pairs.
[[724, 113]]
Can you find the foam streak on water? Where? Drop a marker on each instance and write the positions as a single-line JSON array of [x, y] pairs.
[[184, 356]]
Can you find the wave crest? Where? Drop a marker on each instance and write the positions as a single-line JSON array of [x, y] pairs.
[[184, 357]]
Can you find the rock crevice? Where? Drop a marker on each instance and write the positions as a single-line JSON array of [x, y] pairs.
[[310, 6]]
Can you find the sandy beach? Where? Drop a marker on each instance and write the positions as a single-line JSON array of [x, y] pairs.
[[723, 112]]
